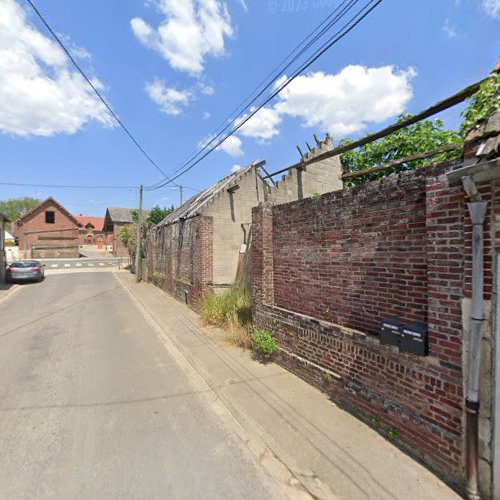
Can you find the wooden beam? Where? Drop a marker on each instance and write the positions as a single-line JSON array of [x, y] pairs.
[[437, 108], [267, 175], [399, 161]]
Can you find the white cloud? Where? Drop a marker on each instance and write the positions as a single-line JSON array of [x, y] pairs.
[[243, 3], [206, 141], [492, 8], [170, 100], [347, 101], [232, 146], [39, 94], [235, 168], [190, 31], [449, 30], [206, 89], [206, 115], [263, 126]]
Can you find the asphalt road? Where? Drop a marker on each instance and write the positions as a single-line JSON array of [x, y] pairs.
[[93, 406], [83, 263]]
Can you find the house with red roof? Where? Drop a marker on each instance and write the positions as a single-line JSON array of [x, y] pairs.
[[91, 231]]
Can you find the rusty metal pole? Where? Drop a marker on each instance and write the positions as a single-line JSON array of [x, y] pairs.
[[477, 211]]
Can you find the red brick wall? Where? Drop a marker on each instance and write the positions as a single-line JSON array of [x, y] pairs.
[[356, 256], [327, 270], [180, 259], [62, 237], [119, 249]]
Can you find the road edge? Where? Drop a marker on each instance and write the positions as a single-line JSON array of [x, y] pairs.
[[12, 290], [271, 463]]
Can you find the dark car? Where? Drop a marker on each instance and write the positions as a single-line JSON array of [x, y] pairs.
[[26, 270]]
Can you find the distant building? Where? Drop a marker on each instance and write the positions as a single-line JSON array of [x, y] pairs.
[[114, 221], [91, 231], [48, 230], [201, 246]]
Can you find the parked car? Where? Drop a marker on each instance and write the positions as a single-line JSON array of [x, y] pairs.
[[24, 270]]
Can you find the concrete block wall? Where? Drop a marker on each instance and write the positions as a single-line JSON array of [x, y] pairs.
[[229, 210], [315, 179]]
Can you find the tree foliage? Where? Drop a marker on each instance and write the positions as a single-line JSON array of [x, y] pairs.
[[418, 138], [16, 207], [128, 235], [157, 214], [482, 104]]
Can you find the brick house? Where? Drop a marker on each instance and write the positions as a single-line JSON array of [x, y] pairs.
[[48, 230], [91, 230], [114, 221], [201, 246], [2, 248]]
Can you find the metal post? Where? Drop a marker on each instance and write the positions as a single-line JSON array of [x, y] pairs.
[[477, 211], [138, 242]]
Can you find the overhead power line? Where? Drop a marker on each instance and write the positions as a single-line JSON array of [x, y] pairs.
[[339, 35], [64, 186], [96, 91], [271, 78]]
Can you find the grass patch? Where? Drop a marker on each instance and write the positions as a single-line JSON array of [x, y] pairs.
[[232, 311]]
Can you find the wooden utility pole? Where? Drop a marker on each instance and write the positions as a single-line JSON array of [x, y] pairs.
[[138, 242]]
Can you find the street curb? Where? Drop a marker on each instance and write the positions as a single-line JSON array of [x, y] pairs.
[[275, 468], [12, 290]]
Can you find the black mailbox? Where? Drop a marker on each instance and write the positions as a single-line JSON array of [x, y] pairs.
[[414, 338], [390, 331]]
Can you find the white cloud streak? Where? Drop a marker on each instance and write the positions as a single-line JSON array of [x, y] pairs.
[[263, 126], [191, 31], [233, 146], [170, 100], [492, 8], [346, 102], [39, 94]]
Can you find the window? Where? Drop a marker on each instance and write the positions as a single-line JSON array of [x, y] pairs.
[[50, 217]]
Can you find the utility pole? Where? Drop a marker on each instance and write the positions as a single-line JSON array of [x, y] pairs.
[[138, 242], [180, 190]]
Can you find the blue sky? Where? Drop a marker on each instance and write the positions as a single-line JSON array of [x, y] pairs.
[[174, 70]]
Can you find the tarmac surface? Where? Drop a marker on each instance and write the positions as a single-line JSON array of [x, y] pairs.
[[93, 406]]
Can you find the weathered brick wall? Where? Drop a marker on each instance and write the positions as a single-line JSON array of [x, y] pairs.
[[119, 248], [180, 259], [326, 271], [357, 256]]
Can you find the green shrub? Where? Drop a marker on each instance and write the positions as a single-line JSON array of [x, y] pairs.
[[482, 104], [231, 308], [264, 342]]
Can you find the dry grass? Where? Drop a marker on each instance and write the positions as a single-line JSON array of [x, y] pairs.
[[231, 311]]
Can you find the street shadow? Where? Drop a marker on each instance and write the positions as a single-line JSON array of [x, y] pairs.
[[4, 287]]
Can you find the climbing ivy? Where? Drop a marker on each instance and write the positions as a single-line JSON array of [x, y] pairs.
[[482, 104], [417, 138]]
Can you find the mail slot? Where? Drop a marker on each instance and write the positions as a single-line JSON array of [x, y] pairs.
[[415, 339], [390, 331]]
